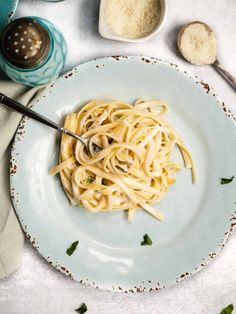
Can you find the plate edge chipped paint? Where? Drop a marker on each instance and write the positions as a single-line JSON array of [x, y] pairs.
[[141, 288], [7, 12]]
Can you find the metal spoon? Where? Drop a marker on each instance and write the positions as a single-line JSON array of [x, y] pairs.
[[12, 104], [197, 44]]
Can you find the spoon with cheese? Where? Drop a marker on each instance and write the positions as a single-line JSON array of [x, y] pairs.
[[197, 44]]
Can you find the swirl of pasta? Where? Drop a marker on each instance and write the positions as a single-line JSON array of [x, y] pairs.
[[133, 170]]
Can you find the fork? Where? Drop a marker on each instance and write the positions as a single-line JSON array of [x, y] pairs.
[[14, 105]]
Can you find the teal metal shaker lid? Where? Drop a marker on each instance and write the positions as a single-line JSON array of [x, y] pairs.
[[7, 10]]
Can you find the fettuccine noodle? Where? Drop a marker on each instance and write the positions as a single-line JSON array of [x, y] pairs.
[[134, 168]]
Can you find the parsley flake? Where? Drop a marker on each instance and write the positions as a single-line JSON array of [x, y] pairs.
[[226, 181], [72, 248], [82, 309], [89, 180], [146, 240], [228, 310]]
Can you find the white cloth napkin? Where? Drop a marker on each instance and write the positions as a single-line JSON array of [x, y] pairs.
[[11, 235]]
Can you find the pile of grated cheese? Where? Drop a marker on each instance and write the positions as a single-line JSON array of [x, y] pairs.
[[132, 18]]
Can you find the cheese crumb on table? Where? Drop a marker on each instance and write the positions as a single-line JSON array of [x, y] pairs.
[[132, 18]]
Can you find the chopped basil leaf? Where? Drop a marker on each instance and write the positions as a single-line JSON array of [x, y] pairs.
[[72, 248], [146, 240], [82, 309], [225, 180], [228, 310]]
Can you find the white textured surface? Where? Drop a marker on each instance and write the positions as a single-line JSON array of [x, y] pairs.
[[38, 288]]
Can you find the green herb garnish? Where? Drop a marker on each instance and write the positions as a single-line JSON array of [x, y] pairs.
[[226, 181], [72, 248], [89, 180], [228, 310], [146, 240], [82, 309]]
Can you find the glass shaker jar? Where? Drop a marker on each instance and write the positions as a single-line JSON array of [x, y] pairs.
[[32, 51]]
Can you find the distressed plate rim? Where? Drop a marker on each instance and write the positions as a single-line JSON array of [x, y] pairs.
[[11, 8]]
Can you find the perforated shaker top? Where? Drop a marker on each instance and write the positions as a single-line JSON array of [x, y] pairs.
[[25, 43]]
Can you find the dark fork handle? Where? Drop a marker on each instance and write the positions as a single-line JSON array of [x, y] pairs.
[[13, 104]]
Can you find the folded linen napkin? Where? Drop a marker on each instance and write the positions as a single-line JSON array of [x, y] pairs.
[[11, 235]]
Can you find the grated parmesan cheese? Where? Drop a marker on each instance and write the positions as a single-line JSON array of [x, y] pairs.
[[132, 18]]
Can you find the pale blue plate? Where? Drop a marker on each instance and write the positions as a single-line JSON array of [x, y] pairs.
[[198, 218], [7, 9]]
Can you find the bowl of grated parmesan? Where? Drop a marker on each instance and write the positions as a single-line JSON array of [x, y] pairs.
[[131, 20]]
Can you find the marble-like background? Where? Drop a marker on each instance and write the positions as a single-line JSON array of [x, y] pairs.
[[36, 288]]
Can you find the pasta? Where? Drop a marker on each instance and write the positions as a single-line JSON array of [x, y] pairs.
[[133, 170]]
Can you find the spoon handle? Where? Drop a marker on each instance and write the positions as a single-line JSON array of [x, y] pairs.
[[225, 73]]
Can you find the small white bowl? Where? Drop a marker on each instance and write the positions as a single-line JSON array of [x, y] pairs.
[[106, 32]]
